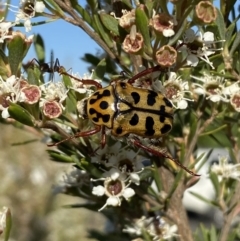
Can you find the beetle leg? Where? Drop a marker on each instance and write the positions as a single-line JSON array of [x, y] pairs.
[[103, 140], [79, 134], [161, 154]]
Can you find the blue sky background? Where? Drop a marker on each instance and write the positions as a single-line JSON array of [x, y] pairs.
[[68, 42]]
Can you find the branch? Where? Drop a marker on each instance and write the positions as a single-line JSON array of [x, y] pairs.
[[230, 217], [78, 21]]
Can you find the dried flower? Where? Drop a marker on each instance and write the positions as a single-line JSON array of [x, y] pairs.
[[127, 19], [133, 42], [206, 12], [31, 94], [51, 109], [166, 56], [163, 23]]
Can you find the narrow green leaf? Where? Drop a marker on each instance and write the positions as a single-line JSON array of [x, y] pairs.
[[100, 70], [183, 25], [204, 233], [56, 7], [229, 33], [156, 177], [8, 225], [16, 49], [110, 23], [20, 114], [89, 167], [215, 182], [208, 201], [59, 157], [235, 44], [39, 48], [220, 24], [4, 65], [102, 31], [142, 22], [85, 14], [213, 234]]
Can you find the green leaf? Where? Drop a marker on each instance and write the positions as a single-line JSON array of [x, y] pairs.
[[142, 23], [215, 182], [100, 70], [200, 197], [156, 177], [183, 25], [39, 48], [17, 49], [213, 234], [4, 65], [110, 23], [235, 44], [8, 225], [85, 14], [221, 24], [102, 31], [59, 157], [34, 75], [230, 30], [56, 8], [89, 167], [20, 114]]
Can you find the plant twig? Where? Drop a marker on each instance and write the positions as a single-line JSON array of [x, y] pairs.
[[230, 217]]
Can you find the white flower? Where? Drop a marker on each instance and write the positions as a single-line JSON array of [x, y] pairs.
[[174, 89], [156, 227], [114, 188], [226, 170], [4, 30], [10, 92], [75, 178], [167, 231], [194, 51], [213, 87], [79, 87], [27, 11], [126, 161], [53, 92], [103, 154], [39, 6]]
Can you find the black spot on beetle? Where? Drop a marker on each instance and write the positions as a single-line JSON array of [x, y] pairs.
[[103, 105], [123, 85], [165, 129], [106, 93], [134, 120], [162, 118], [149, 126], [92, 111], [119, 130], [151, 98], [105, 118], [136, 97], [167, 102], [96, 119], [99, 95]]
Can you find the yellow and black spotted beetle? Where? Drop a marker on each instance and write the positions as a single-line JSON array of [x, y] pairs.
[[128, 111]]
